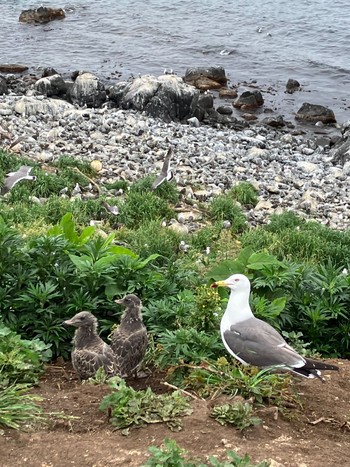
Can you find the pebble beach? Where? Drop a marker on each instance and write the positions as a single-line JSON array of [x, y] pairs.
[[290, 170]]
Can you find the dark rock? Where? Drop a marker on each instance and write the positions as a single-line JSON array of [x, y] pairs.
[[206, 78], [315, 113], [249, 100], [116, 92], [292, 85], [202, 104], [12, 68], [49, 72], [51, 86], [41, 15], [212, 117], [88, 90], [275, 121], [224, 110], [3, 86], [228, 93], [166, 97], [340, 152]]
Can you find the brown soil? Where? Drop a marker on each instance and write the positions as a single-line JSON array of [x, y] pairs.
[[317, 436]]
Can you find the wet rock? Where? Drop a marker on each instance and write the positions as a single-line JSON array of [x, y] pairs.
[[249, 100], [315, 113], [12, 68], [275, 121], [292, 85], [88, 90], [49, 71], [249, 117], [224, 110], [116, 92], [3, 86], [206, 78], [53, 85], [41, 15], [340, 152], [228, 93]]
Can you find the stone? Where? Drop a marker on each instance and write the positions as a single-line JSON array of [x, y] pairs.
[[206, 78], [274, 121], [307, 167], [315, 113], [263, 204], [88, 90], [292, 85], [3, 86], [53, 85], [249, 100], [249, 117], [32, 106], [49, 71], [12, 68], [41, 15], [346, 168], [224, 110], [166, 97], [228, 93]]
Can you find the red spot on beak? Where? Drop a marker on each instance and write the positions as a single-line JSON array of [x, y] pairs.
[[213, 285]]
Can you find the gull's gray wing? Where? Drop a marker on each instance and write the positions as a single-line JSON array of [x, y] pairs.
[[259, 344], [129, 349], [165, 173]]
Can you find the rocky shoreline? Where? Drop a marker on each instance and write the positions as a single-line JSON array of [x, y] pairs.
[[291, 169]]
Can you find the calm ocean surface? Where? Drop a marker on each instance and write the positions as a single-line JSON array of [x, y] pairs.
[[301, 39]]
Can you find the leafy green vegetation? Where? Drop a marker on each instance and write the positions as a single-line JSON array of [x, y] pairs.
[[136, 408], [172, 455], [223, 207], [238, 414], [20, 360]]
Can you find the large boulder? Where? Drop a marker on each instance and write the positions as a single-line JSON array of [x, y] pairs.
[[206, 78], [88, 90], [315, 113], [32, 106], [41, 15], [166, 97], [53, 85], [12, 68], [3, 86], [340, 153]]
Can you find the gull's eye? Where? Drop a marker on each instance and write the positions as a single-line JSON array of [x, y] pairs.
[[236, 280]]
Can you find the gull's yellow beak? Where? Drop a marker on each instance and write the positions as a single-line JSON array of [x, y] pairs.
[[219, 284]]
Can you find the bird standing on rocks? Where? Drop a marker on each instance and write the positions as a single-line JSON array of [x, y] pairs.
[[254, 342], [129, 340], [90, 352]]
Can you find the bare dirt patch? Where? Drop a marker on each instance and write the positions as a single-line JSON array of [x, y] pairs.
[[317, 436]]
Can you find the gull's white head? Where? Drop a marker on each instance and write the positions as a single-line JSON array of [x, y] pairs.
[[236, 283]]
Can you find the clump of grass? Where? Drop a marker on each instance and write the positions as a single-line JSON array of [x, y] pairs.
[[244, 193], [151, 237], [223, 208], [137, 408], [167, 190], [18, 408], [140, 208], [239, 414]]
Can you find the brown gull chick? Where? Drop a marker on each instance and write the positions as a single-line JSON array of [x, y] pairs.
[[129, 340], [90, 352]]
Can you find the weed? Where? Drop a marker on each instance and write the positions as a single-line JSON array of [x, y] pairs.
[[223, 208], [166, 191], [136, 408], [172, 455], [18, 408], [100, 377], [239, 414], [244, 193]]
